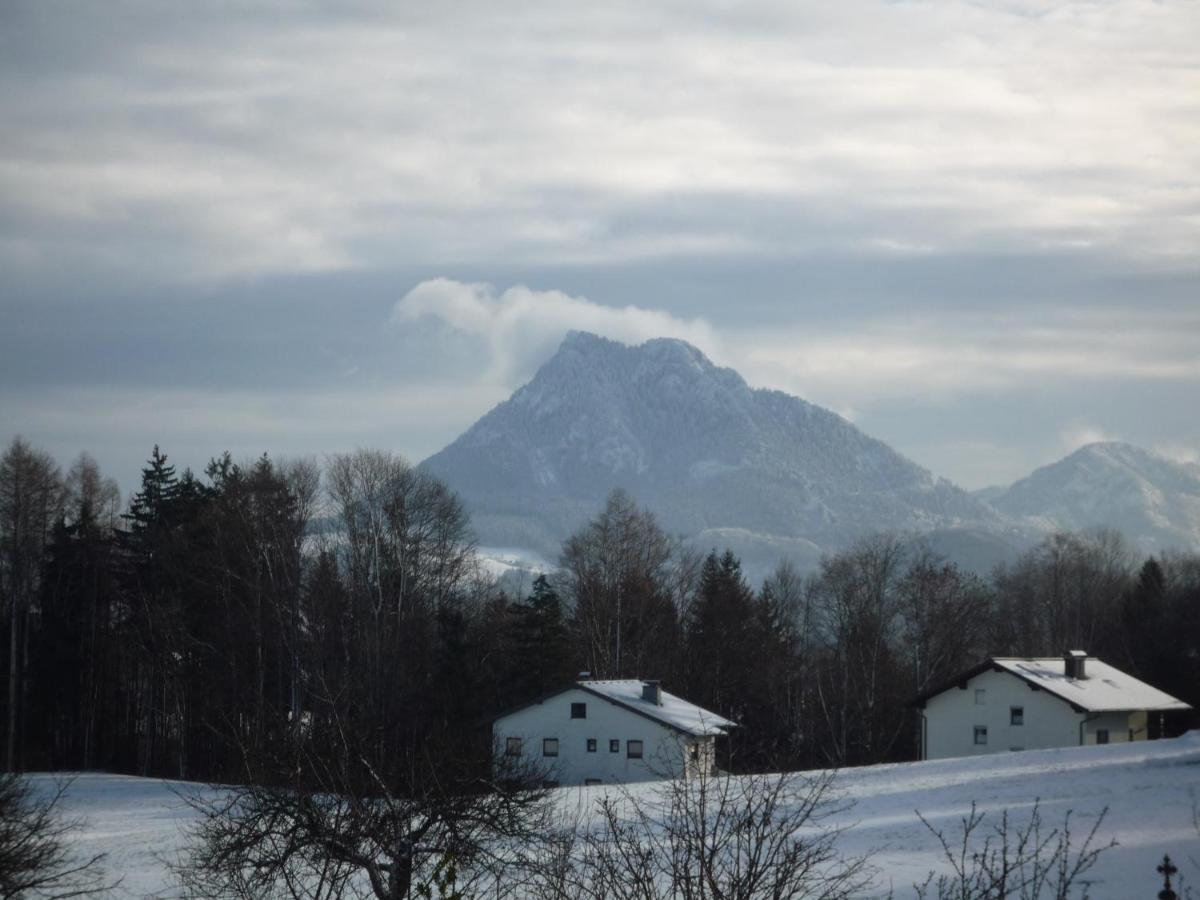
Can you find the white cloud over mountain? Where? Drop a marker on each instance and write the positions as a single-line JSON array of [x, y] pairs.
[[521, 327], [878, 361]]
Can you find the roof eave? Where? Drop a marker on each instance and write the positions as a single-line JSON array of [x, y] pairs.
[[674, 726]]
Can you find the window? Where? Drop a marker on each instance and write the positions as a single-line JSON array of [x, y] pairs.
[[980, 734], [512, 747], [591, 745], [694, 751], [614, 746], [1101, 735], [633, 749], [550, 747], [980, 696], [591, 782], [578, 710], [1016, 715]]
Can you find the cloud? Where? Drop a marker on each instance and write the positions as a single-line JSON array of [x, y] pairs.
[[873, 205], [119, 424], [521, 327], [1179, 452], [229, 142], [978, 397], [1080, 434], [963, 363], [956, 354], [855, 367]]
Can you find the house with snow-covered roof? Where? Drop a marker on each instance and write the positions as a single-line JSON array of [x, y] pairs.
[[599, 731], [1009, 703]]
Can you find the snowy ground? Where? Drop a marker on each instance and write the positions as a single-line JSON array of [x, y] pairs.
[[1147, 788]]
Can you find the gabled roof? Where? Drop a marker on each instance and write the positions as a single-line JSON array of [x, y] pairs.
[[1104, 689], [673, 712]]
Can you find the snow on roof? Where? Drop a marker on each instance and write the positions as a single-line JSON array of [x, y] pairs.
[[675, 712], [1103, 689]]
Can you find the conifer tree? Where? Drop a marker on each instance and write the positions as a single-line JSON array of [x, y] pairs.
[[542, 649]]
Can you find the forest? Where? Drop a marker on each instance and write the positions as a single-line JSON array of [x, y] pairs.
[[272, 619]]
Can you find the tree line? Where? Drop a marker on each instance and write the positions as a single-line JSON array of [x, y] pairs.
[[272, 618]]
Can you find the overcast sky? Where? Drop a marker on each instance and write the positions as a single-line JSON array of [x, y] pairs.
[[973, 228]]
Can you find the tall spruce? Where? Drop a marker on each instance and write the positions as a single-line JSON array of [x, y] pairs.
[[542, 657], [735, 644]]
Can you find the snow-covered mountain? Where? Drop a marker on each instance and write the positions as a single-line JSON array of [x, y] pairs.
[[727, 465], [1153, 501]]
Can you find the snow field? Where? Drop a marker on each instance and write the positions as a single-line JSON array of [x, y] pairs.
[[1148, 789]]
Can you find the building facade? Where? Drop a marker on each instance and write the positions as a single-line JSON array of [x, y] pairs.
[[608, 732], [1026, 704]]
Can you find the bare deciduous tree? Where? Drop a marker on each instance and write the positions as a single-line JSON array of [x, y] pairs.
[[35, 859], [856, 609], [355, 839], [88, 493], [1062, 593], [944, 615], [621, 574], [405, 531], [1023, 862], [708, 836], [31, 497]]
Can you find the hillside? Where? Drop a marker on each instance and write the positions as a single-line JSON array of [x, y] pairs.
[[716, 460], [1145, 787], [1153, 501]]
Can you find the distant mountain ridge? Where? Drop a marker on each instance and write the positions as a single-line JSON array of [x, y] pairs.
[[716, 460], [765, 473], [1153, 501]]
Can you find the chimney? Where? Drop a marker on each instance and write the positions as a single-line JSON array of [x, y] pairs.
[[652, 691], [1074, 664]]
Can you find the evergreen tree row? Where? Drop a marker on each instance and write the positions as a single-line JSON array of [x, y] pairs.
[[263, 619]]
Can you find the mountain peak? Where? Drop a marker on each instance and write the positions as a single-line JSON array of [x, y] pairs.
[[585, 340], [662, 348], [692, 442], [1113, 450], [1155, 501]]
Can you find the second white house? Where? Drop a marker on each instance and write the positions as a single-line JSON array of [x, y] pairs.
[[1026, 704], [610, 731]]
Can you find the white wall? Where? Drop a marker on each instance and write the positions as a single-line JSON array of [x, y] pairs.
[[663, 749], [951, 717], [1116, 724]]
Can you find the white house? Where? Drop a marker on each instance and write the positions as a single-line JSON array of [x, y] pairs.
[[1026, 704], [603, 732]]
